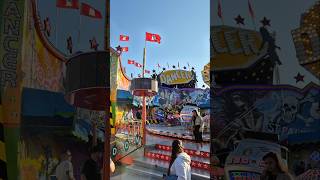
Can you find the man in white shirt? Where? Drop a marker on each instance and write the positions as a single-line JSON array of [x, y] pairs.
[[64, 170]]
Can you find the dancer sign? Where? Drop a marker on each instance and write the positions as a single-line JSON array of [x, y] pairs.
[[172, 77]]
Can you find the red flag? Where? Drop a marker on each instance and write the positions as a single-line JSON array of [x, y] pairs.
[[219, 9], [138, 64], [124, 38], [71, 4], [87, 10], [159, 65], [153, 37], [250, 9], [124, 49], [130, 61], [147, 71]]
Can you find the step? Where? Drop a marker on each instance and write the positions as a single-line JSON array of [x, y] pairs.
[[193, 157], [190, 152], [144, 172], [162, 157], [162, 166]]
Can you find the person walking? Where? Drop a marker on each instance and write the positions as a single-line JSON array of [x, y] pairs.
[[197, 129], [64, 170], [179, 166], [91, 170], [274, 169]]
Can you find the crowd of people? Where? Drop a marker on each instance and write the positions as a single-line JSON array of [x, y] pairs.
[[91, 170]]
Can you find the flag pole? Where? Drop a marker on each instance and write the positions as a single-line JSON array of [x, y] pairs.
[[79, 31], [144, 57], [252, 15], [220, 9], [107, 128], [57, 17]]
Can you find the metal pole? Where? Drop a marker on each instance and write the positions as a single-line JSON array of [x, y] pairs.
[[144, 115], [107, 130], [144, 62], [144, 98]]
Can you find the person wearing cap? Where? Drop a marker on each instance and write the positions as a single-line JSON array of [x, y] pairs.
[[64, 170]]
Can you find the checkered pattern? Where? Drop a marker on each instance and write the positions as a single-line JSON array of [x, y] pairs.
[[191, 152], [162, 157]]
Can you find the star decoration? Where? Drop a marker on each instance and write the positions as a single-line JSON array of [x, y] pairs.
[[192, 68], [199, 165], [184, 67], [164, 69], [265, 21], [173, 68], [119, 48], [239, 20], [299, 78], [154, 71]]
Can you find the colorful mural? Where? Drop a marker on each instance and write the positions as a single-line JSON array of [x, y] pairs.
[[42, 70], [168, 97], [283, 110]]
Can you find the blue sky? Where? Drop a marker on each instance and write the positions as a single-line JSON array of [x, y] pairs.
[[284, 16], [67, 23], [182, 24]]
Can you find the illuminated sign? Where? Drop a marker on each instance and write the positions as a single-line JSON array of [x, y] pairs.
[[176, 77], [307, 40], [232, 47], [307, 43]]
